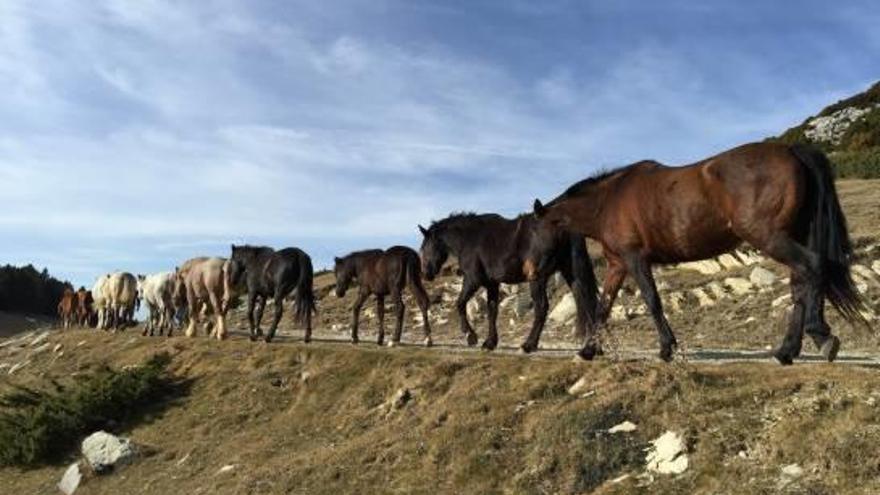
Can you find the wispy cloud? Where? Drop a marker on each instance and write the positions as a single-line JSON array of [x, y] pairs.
[[136, 134]]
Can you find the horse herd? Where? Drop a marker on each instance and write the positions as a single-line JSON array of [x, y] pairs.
[[779, 198]]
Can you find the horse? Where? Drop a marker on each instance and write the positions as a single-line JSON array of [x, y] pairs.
[[269, 273], [383, 273], [84, 303], [120, 291], [67, 308], [100, 302], [156, 291], [491, 250], [202, 283], [779, 198]]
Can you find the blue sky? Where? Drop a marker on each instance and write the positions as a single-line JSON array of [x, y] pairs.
[[137, 134]]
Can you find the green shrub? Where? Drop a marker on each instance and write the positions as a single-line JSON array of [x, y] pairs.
[[43, 426], [862, 164]]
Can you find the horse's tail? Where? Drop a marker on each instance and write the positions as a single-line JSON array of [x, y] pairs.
[[413, 267], [828, 236], [305, 295], [585, 288]]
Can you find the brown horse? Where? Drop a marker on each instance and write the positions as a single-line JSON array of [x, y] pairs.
[[67, 308], [382, 273], [83, 307], [779, 198]]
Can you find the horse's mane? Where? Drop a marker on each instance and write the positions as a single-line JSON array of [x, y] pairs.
[[461, 217], [601, 175], [360, 254]]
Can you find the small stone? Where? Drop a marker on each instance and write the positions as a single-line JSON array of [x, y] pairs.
[[779, 301], [625, 427], [71, 479], [401, 398], [876, 266], [702, 298], [564, 310], [738, 285], [792, 471], [305, 376], [729, 262], [581, 386], [56, 348], [706, 267], [39, 339], [227, 468], [17, 366], [716, 289], [762, 277], [667, 455]]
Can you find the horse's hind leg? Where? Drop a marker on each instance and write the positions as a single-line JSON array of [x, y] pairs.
[[807, 299], [641, 271], [279, 311], [468, 289], [399, 312], [380, 314], [538, 290], [492, 296]]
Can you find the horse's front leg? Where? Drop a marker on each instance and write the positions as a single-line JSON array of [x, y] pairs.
[[492, 297], [468, 289], [538, 290], [279, 311], [362, 296], [380, 314], [641, 271], [251, 301]]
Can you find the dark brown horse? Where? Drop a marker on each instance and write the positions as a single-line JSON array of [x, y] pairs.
[[383, 273], [779, 198], [269, 273], [491, 250]]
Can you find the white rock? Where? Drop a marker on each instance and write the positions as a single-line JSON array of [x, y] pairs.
[[716, 289], [625, 427], [39, 339], [564, 310], [702, 297], [762, 277], [401, 398], [706, 267], [831, 128], [56, 348], [618, 313], [104, 451], [864, 272], [738, 285], [17, 366], [227, 468], [749, 258], [580, 387], [876, 266], [792, 471], [666, 454], [860, 283], [779, 301], [729, 262], [70, 481], [674, 301], [476, 308]]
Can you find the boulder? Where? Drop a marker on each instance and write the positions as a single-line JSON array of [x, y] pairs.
[[762, 277], [105, 452], [667, 454], [564, 310], [738, 285]]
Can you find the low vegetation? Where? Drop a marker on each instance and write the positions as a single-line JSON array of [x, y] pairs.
[[44, 426]]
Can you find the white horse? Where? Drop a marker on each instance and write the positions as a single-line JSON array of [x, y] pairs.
[[157, 291], [204, 285], [100, 300], [116, 298]]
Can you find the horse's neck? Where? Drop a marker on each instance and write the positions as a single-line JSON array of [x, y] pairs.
[[586, 209]]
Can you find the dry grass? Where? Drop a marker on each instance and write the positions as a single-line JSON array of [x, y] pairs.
[[315, 419]]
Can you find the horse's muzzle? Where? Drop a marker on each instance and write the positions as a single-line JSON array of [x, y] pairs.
[[530, 270]]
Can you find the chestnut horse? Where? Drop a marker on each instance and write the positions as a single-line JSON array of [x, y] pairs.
[[382, 273], [83, 307], [779, 198], [67, 308]]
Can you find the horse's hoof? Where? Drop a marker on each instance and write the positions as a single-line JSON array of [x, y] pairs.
[[784, 358], [268, 340], [428, 342], [830, 348], [307, 340], [587, 354], [528, 348], [354, 341], [489, 345], [252, 337], [666, 355], [472, 339]]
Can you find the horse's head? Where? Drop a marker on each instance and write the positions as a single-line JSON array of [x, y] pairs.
[[237, 262], [178, 289], [545, 231], [433, 253], [344, 270]]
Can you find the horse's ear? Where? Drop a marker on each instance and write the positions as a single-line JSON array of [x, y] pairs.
[[232, 247], [336, 259], [423, 230], [539, 208]]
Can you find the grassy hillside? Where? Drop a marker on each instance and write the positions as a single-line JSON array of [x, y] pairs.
[[849, 131], [328, 418]]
